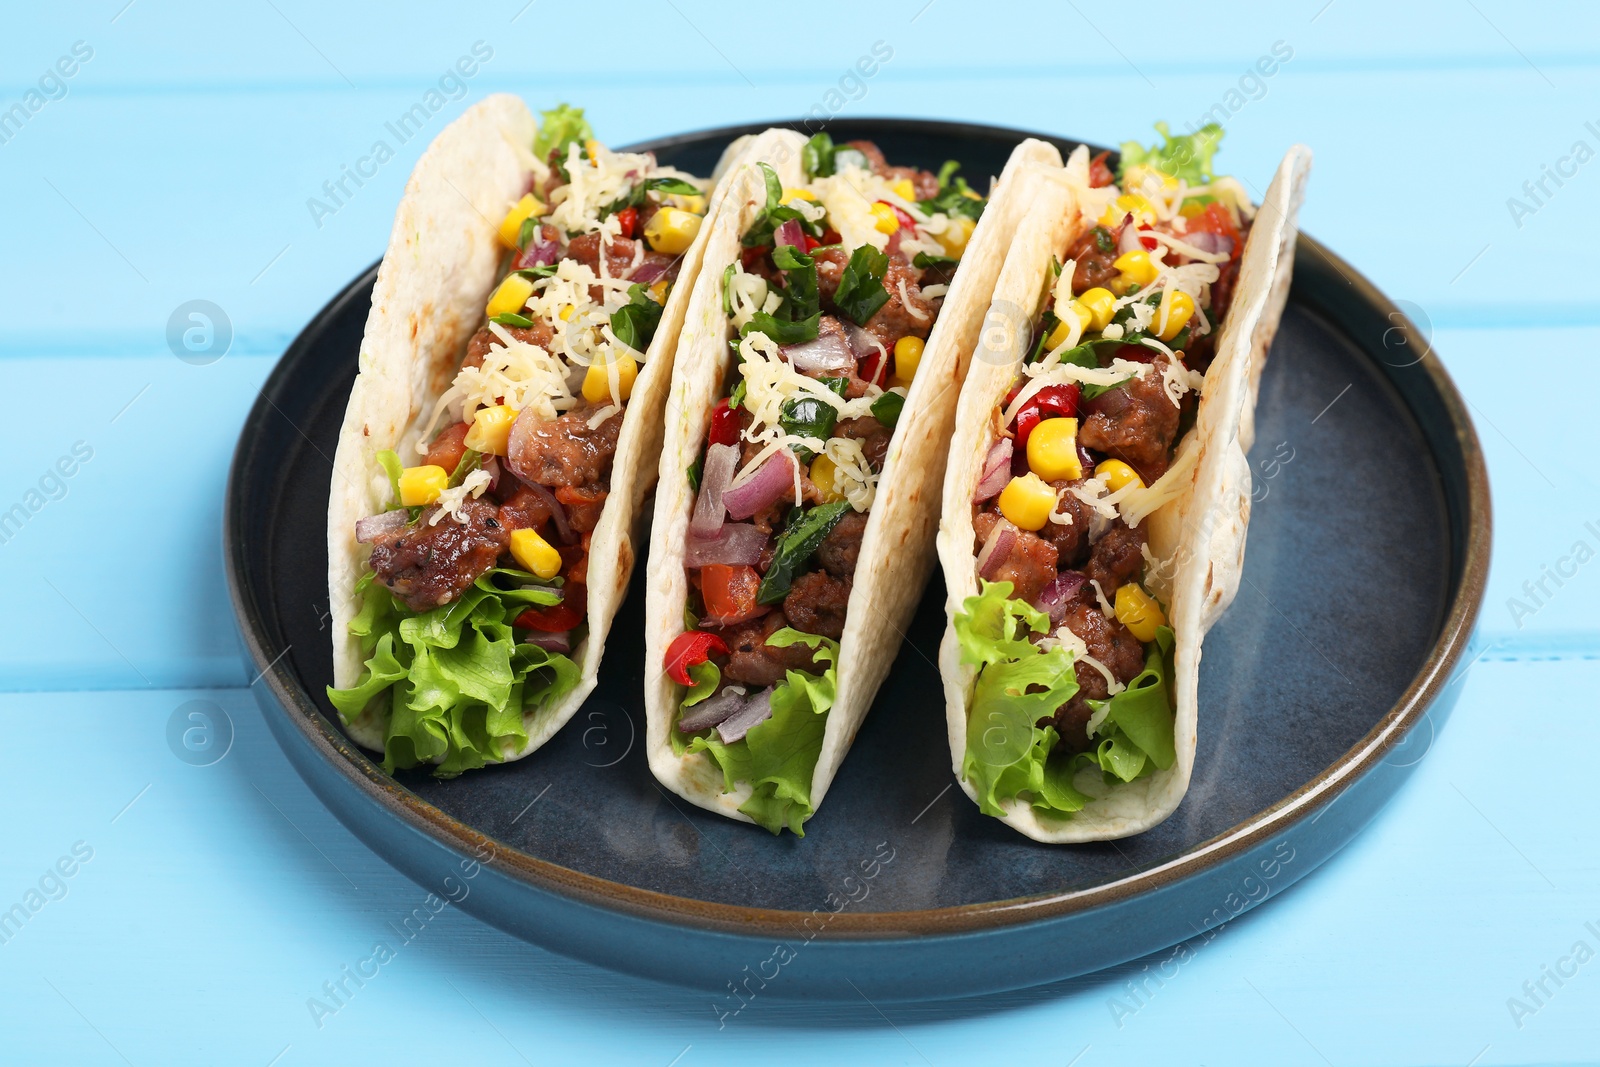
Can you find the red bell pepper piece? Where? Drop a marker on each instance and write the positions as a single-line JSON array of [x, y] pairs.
[[555, 619], [689, 649], [906, 221], [1149, 243], [724, 424], [811, 242], [628, 218], [1052, 400]]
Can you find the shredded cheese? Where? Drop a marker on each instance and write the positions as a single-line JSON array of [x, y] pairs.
[[451, 500]]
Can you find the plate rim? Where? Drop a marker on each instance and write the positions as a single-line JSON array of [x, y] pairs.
[[355, 765]]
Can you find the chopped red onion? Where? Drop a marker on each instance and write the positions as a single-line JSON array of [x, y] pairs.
[[712, 712], [491, 466], [757, 710], [561, 642], [996, 471], [1128, 240], [375, 527], [830, 355], [736, 544], [714, 479], [539, 253], [1053, 599], [1217, 244], [558, 514], [996, 548], [648, 271], [789, 233], [774, 478]]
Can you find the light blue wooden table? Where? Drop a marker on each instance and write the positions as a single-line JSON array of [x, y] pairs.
[[207, 906]]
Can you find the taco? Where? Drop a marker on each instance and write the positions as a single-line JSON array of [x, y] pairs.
[[1098, 492], [492, 461], [806, 437]]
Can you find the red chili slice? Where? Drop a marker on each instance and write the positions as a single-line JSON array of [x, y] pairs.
[[689, 649]]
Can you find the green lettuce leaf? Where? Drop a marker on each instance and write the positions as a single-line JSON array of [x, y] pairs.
[[459, 682], [1019, 684], [779, 756], [559, 127], [1186, 156]]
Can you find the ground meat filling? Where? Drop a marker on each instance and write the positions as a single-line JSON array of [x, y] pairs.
[[841, 549], [540, 334], [873, 435], [1117, 558], [1029, 566], [816, 604], [753, 662], [1135, 422], [1071, 540], [564, 450], [429, 564], [1112, 644]]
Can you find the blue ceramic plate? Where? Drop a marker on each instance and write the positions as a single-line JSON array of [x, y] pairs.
[[1319, 690]]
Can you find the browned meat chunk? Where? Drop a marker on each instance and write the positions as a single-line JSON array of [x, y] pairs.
[[448, 448], [1135, 423], [1116, 558], [1071, 540], [620, 253], [1029, 566], [564, 450], [1094, 265], [817, 602], [583, 504], [830, 265], [429, 565], [926, 183], [908, 317], [842, 547], [873, 435], [539, 334], [523, 508], [1111, 643], [753, 662]]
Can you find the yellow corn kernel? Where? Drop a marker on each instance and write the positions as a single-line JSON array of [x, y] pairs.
[[1072, 309], [1143, 212], [800, 194], [1102, 304], [1027, 501], [597, 380], [1053, 450], [1136, 266], [528, 207], [510, 296], [672, 230], [592, 147], [1117, 474], [658, 291], [907, 355], [565, 314], [824, 475], [693, 204], [535, 553], [1139, 612], [1179, 309], [955, 236], [904, 189], [491, 429], [421, 486], [884, 219]]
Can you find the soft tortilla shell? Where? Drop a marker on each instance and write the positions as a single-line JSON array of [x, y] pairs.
[[1199, 536]]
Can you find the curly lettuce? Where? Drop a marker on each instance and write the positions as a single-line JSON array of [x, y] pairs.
[[457, 679], [559, 127], [778, 756], [1186, 156], [1009, 754]]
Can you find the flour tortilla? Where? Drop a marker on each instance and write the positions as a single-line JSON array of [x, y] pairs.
[[443, 261], [896, 551], [1198, 537]]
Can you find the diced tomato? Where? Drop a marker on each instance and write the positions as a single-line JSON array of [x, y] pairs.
[[557, 618], [1052, 400], [730, 592], [448, 448], [724, 424], [628, 218], [812, 242], [831, 237], [689, 649], [1100, 174], [751, 256]]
